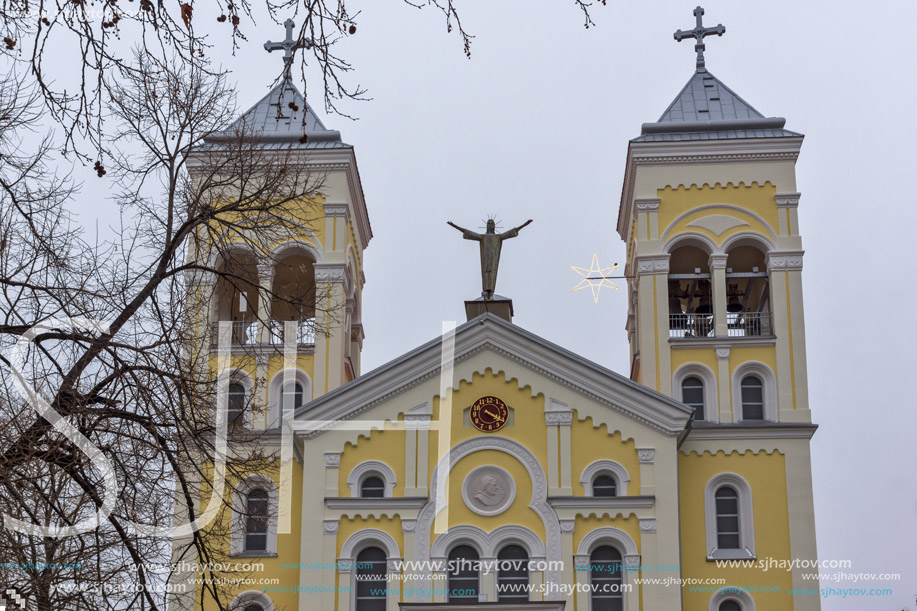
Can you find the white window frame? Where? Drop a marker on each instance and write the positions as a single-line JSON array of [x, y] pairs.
[[251, 597], [746, 550], [275, 394], [239, 516], [711, 393], [621, 541], [221, 394], [605, 466], [740, 596], [769, 389], [351, 548], [370, 468]]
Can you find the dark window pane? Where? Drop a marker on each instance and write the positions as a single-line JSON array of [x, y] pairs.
[[606, 579], [463, 571], [727, 518], [372, 487], [254, 608], [292, 395], [371, 574], [235, 417], [752, 398], [256, 521], [513, 575], [730, 605], [604, 485], [692, 395]]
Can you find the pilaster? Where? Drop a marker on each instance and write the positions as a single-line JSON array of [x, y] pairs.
[[717, 263]]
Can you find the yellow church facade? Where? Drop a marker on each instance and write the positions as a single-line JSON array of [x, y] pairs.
[[493, 468]]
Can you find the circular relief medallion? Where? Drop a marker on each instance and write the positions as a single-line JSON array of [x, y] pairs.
[[489, 414], [488, 490]]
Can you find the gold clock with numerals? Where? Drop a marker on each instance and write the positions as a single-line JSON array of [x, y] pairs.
[[489, 414]]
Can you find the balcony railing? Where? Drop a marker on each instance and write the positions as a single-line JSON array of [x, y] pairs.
[[245, 333], [690, 325], [305, 332], [749, 324]]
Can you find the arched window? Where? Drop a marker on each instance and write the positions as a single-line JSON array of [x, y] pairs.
[[606, 579], [513, 575], [371, 575], [235, 417], [727, 518], [464, 575], [692, 395], [604, 485], [292, 395], [372, 487], [255, 607], [256, 521], [730, 605], [752, 398]]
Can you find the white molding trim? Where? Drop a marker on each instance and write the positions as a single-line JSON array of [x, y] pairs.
[[487, 544], [646, 456], [368, 468], [239, 511], [538, 503], [690, 238], [497, 510], [652, 264], [665, 234], [605, 465], [251, 597], [746, 517], [240, 376], [607, 535], [274, 394], [731, 593], [369, 537], [769, 389], [784, 261], [787, 200], [708, 378]]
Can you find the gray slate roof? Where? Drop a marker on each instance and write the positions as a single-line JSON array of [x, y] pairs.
[[281, 118], [706, 109]]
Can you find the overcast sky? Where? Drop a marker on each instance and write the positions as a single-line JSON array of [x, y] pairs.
[[536, 125]]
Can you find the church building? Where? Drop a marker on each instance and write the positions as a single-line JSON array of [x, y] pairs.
[[493, 468]]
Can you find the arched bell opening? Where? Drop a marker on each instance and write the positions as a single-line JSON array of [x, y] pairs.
[[748, 305], [690, 293]]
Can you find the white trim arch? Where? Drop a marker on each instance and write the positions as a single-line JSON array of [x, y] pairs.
[[740, 596], [621, 541], [732, 207], [251, 597], [605, 466], [297, 246], [769, 389], [746, 549], [488, 544], [748, 238], [275, 388], [711, 392], [239, 509], [368, 468], [370, 537], [690, 238]]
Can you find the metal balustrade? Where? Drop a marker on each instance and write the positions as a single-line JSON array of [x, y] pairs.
[[245, 333], [739, 324]]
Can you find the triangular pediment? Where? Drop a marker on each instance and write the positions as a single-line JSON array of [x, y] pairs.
[[488, 334]]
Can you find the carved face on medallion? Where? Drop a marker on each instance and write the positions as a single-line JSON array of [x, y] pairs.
[[488, 490]]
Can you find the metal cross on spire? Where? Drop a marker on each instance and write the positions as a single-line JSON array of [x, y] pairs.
[[699, 33], [288, 46]]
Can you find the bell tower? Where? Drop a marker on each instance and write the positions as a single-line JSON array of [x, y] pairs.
[[715, 320]]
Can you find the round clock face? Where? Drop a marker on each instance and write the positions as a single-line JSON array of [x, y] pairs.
[[489, 414]]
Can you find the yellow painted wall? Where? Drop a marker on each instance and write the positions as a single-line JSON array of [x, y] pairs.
[[755, 198], [386, 446], [590, 443], [766, 474]]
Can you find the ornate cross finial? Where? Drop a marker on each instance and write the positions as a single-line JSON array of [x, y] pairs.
[[699, 33], [288, 46]]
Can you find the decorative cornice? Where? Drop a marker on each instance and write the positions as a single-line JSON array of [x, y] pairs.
[[559, 418], [199, 277], [330, 272], [784, 430], [706, 342], [601, 502], [784, 261], [787, 200], [717, 261], [340, 210], [332, 459], [650, 204], [265, 272], [646, 455], [722, 352], [647, 525], [375, 503], [408, 526], [652, 264], [566, 526], [417, 422], [330, 527]]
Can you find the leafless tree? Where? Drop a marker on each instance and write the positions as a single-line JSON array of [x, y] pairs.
[[49, 36], [139, 387]]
